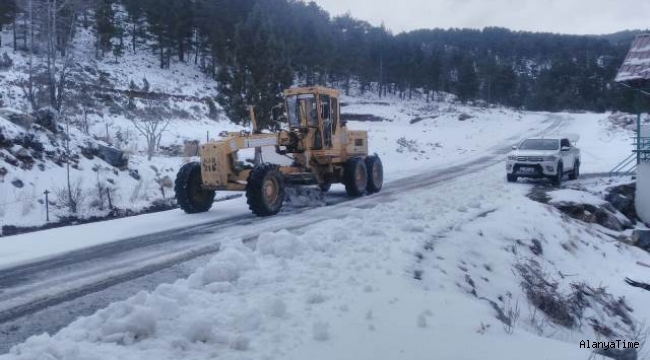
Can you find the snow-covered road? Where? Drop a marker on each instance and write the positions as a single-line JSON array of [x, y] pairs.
[[30, 288], [427, 268], [407, 274]]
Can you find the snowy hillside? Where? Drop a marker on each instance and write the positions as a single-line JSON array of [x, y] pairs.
[[106, 98], [411, 137], [98, 113], [438, 139]]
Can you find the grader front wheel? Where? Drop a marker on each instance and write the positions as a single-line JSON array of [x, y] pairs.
[[265, 190], [190, 195]]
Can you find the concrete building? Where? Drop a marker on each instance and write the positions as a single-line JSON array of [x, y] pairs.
[[635, 74]]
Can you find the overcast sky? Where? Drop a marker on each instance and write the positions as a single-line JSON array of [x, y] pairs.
[[563, 16]]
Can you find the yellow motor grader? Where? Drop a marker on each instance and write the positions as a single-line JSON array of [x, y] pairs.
[[322, 149]]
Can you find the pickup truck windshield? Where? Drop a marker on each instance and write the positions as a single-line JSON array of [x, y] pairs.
[[540, 144]]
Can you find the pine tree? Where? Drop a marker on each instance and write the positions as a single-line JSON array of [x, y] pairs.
[[7, 14], [504, 85], [161, 19], [257, 72], [135, 8], [433, 72], [182, 26], [105, 25], [118, 48], [467, 86], [258, 46]]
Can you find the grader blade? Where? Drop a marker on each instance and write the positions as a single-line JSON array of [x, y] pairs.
[[304, 196]]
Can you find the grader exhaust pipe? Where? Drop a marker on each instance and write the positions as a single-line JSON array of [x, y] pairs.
[[255, 130]]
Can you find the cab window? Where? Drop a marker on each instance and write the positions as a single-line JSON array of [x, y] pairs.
[[565, 142], [325, 107], [327, 119], [335, 113], [302, 110]]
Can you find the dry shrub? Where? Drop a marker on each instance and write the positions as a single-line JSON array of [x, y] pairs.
[[567, 308], [544, 295], [70, 200]]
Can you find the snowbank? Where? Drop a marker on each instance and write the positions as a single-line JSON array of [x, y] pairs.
[[424, 284], [575, 197]]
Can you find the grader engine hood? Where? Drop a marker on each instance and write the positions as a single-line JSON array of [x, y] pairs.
[[255, 142], [219, 164]]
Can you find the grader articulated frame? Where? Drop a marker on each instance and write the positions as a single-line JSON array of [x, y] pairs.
[[323, 151]]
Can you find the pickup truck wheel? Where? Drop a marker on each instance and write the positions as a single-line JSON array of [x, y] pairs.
[[557, 179], [575, 174], [512, 178]]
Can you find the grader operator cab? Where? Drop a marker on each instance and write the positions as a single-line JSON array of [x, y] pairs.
[[323, 151]]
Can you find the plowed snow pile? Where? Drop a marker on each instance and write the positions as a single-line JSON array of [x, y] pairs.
[[425, 276]]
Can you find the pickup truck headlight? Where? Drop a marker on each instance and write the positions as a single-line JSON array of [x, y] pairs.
[[550, 158], [512, 157]]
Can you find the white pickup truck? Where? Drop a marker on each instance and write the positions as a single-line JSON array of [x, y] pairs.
[[545, 157]]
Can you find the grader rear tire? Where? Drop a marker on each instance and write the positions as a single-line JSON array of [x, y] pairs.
[[265, 190], [355, 177], [189, 194], [375, 174]]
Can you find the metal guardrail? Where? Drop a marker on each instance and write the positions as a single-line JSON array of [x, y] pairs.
[[642, 146], [625, 167], [642, 143], [641, 153]]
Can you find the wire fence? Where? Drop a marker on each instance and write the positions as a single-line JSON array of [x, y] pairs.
[[22, 200], [24, 205], [25, 208]]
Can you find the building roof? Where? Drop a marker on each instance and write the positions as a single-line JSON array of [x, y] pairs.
[[636, 67]]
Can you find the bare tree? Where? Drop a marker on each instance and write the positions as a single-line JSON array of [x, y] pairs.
[[56, 42], [54, 33], [70, 196], [151, 122], [28, 87]]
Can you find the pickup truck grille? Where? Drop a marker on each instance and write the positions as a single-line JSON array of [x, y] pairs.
[[530, 158]]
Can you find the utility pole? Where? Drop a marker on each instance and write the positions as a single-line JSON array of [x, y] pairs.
[[47, 206], [108, 195], [638, 127]]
